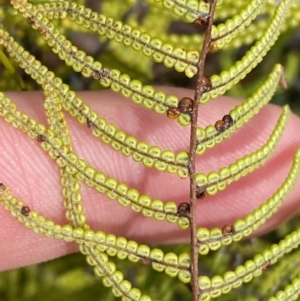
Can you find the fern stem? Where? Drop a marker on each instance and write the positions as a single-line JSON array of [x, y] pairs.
[[193, 145]]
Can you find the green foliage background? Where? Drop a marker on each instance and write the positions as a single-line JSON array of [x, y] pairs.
[[70, 277]]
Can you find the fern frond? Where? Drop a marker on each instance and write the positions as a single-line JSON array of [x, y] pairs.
[[114, 30], [119, 140], [241, 114], [290, 292], [130, 33], [223, 82], [82, 171], [213, 287], [113, 245], [236, 27], [284, 273], [97, 242], [213, 239], [225, 32], [85, 64], [216, 181], [189, 9]]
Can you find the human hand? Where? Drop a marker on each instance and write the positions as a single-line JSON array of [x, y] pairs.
[[34, 177]]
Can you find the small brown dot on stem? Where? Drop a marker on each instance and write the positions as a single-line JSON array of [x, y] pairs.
[[206, 84], [266, 265], [202, 21], [25, 210], [2, 186], [145, 261], [227, 230], [89, 123]]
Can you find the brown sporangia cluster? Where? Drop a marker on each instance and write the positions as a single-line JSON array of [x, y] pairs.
[[227, 230], [201, 21], [185, 105], [205, 84], [200, 192], [40, 138], [184, 209], [173, 113], [266, 266], [89, 123], [224, 124], [25, 210]]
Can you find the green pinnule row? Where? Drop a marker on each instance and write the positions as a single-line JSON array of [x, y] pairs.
[[209, 287], [82, 171], [241, 114], [217, 181], [120, 191], [171, 263], [47, 227], [132, 37], [112, 277], [72, 199], [255, 30], [229, 9], [95, 253], [223, 82], [285, 272], [213, 239], [37, 17], [224, 33], [217, 285], [248, 36], [129, 146], [140, 41], [290, 292], [71, 186], [53, 106], [72, 202], [80, 62], [133, 88], [189, 9]]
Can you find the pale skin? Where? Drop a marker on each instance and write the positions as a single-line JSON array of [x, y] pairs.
[[34, 177]]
